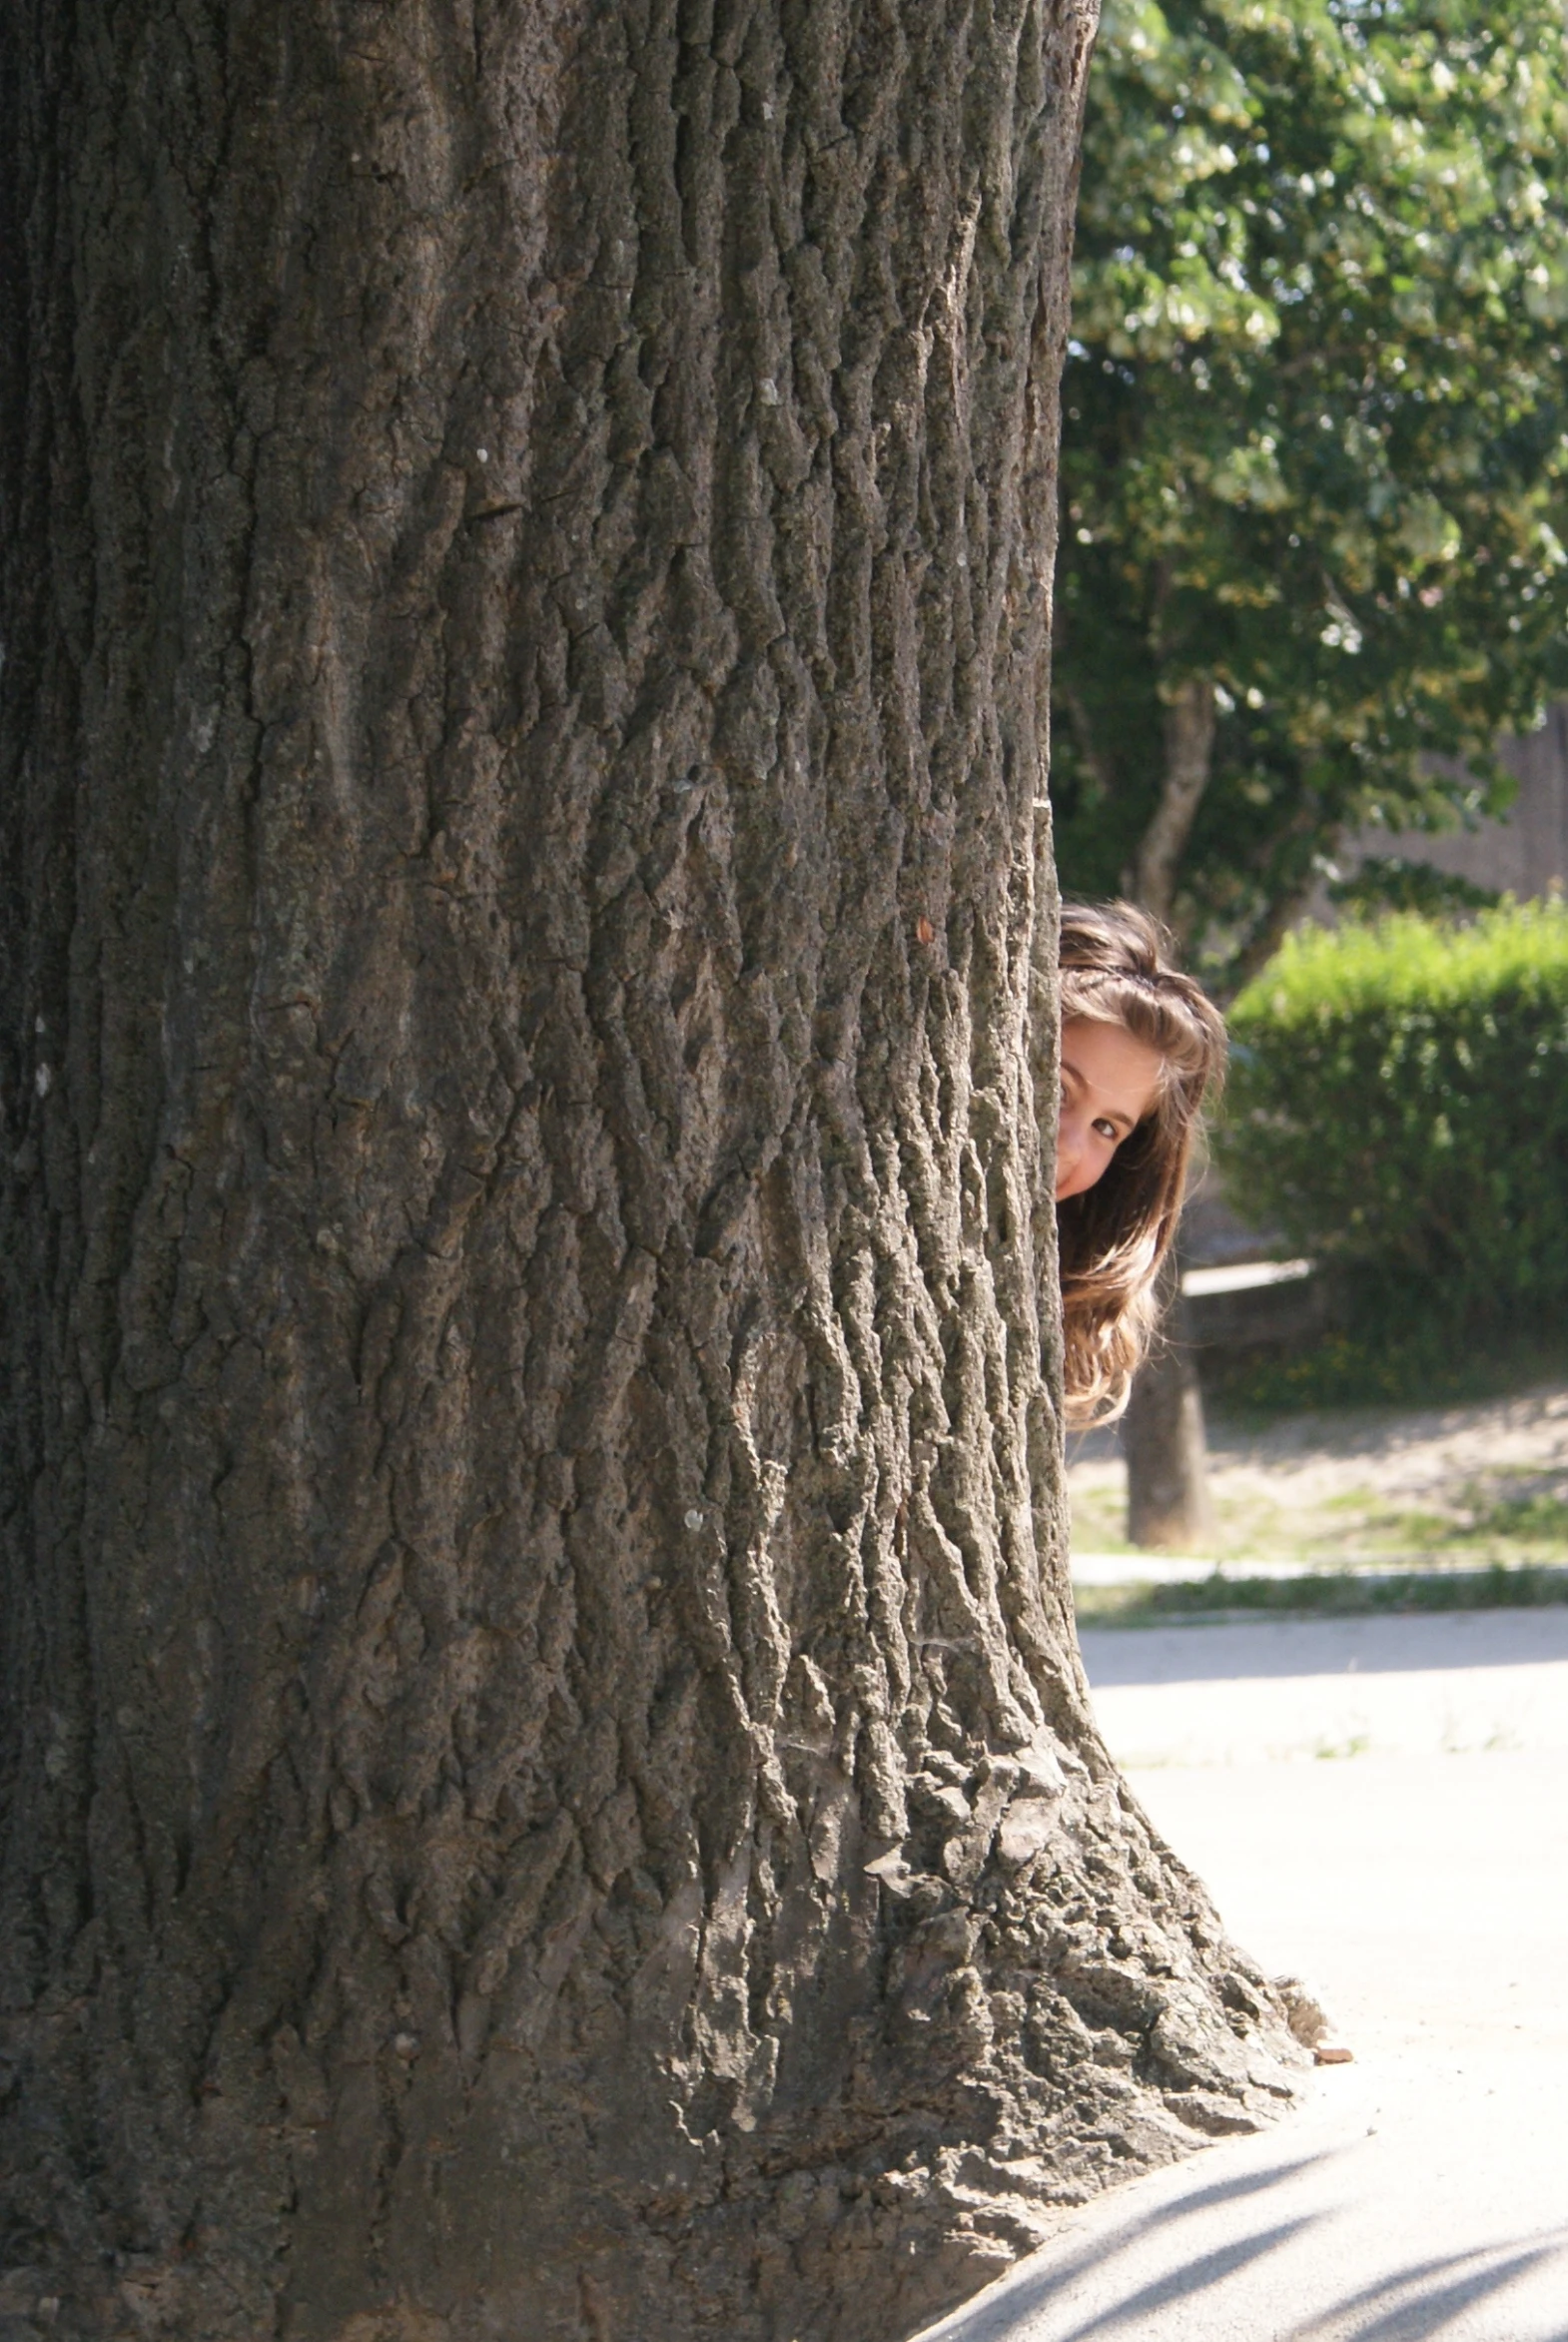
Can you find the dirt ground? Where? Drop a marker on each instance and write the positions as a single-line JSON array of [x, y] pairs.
[[1461, 1485]]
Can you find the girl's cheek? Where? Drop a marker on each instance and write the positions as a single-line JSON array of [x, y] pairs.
[[1093, 1163], [1079, 1170]]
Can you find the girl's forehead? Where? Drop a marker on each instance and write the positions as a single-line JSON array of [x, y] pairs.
[[1102, 1033], [1150, 1025], [1112, 1060]]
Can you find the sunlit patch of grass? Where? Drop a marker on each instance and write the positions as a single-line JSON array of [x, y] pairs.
[[1534, 1519], [1354, 1529], [1506, 1516], [1099, 1520], [1410, 1532], [1351, 1500]]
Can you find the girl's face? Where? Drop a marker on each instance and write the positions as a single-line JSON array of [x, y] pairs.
[[1109, 1083]]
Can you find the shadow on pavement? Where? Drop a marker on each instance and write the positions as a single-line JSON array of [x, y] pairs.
[[1028, 2291], [1429, 2311], [1191, 2277], [1408, 2305]]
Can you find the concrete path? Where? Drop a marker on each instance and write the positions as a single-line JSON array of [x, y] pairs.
[[1449, 1684], [1420, 1886]]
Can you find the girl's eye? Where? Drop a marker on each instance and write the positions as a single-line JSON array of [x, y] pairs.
[[1107, 1131]]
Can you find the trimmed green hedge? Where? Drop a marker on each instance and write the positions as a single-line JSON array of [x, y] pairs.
[[1400, 1107]]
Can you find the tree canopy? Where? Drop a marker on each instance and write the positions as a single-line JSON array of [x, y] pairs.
[[1314, 446]]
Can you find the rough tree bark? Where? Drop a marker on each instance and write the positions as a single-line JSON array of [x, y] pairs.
[[549, 1789]]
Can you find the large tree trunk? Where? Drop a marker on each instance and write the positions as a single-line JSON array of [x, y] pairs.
[[548, 1786]]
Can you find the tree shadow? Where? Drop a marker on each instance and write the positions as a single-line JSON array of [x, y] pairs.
[[1025, 2290], [1436, 2306], [1191, 2277], [1409, 2304]]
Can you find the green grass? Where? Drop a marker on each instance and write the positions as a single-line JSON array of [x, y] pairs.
[[1325, 1594], [1532, 1517], [1484, 1528], [1336, 1751]]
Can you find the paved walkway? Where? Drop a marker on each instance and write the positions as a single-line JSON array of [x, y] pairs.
[[1420, 1884], [1453, 1683]]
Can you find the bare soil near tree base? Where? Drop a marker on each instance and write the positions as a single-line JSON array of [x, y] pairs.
[[1456, 1488]]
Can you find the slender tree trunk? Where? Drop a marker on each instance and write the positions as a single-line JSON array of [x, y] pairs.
[[1168, 1507], [548, 1787], [1190, 748], [1167, 1502]]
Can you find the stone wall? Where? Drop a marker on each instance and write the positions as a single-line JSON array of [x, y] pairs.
[[1524, 854]]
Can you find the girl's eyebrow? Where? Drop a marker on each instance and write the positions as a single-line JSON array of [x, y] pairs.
[[1111, 1114]]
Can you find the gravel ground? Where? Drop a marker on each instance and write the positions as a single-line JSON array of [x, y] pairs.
[[1451, 1483]]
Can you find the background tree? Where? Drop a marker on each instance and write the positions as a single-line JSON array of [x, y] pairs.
[[1314, 446], [1312, 462], [547, 1783]]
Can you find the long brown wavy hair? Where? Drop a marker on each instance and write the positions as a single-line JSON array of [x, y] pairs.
[[1117, 969]]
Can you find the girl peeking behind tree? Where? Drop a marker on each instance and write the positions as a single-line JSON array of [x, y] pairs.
[[1142, 1047]]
